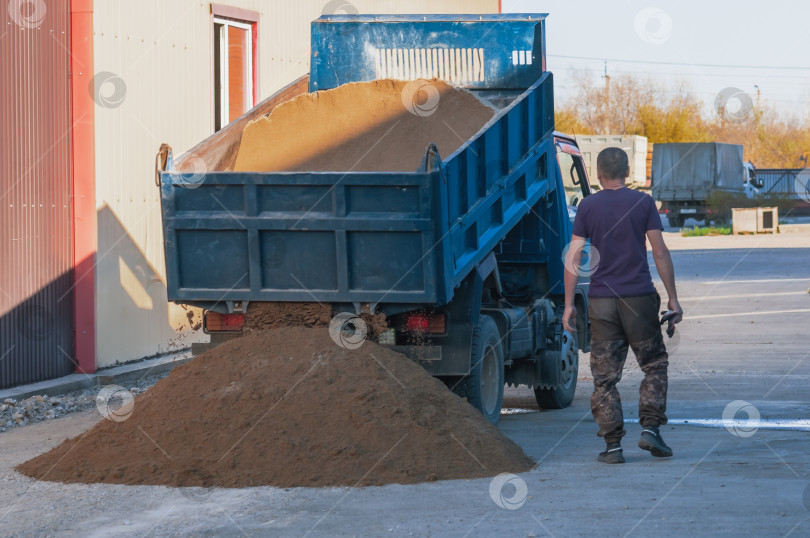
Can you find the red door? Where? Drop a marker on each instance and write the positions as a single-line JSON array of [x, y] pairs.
[[238, 76]]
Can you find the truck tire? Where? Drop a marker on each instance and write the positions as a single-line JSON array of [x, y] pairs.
[[675, 222], [561, 396], [483, 387]]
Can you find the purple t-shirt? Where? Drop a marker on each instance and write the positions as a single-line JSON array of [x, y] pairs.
[[616, 222]]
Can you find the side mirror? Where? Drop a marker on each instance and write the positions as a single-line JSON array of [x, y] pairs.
[[573, 173]]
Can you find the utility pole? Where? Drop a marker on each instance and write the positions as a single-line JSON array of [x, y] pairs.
[[607, 101]]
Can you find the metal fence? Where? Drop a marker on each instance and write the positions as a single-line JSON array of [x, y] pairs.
[[791, 183]]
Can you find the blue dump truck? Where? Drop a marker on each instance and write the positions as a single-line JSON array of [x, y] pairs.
[[463, 255]]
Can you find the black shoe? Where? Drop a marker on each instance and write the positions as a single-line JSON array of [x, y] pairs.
[[652, 441], [612, 454]]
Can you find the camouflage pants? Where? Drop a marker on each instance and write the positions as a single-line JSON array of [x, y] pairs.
[[615, 324]]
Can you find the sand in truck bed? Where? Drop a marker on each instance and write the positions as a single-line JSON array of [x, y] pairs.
[[382, 125]]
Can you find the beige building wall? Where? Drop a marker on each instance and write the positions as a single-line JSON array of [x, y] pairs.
[[153, 85]]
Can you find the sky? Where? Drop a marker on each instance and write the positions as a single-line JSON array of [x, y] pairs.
[[711, 44]]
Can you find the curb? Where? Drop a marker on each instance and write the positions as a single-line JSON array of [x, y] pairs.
[[794, 228], [109, 376]]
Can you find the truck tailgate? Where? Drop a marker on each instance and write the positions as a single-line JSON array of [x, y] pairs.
[[301, 236]]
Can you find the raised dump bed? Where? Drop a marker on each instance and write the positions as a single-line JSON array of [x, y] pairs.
[[382, 237]]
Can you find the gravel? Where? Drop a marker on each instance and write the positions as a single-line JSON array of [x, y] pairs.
[[16, 413]]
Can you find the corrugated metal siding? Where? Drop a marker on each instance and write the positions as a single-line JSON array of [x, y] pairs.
[[161, 51], [36, 329], [791, 183]]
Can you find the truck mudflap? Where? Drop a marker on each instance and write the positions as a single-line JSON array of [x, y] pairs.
[[429, 357], [453, 355]]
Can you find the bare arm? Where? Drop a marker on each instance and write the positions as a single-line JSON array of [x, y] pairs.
[[663, 262], [572, 261]]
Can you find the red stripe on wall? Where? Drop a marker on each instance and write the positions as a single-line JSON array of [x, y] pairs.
[[84, 184], [254, 29]]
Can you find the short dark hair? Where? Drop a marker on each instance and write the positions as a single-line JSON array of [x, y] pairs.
[[613, 163]]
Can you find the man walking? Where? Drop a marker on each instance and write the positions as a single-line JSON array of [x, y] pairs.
[[623, 304]]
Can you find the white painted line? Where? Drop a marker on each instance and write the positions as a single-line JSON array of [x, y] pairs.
[[757, 281], [742, 296], [801, 424], [517, 411], [764, 312]]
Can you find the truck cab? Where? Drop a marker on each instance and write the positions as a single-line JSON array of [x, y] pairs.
[[577, 185], [751, 184], [572, 170]]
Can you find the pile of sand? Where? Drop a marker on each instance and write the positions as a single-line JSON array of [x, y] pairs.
[[382, 125], [288, 407]]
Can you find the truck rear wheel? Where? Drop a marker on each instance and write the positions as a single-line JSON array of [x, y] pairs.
[[676, 222], [483, 387], [568, 357]]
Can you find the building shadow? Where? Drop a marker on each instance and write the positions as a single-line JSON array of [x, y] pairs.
[[36, 335], [133, 316]]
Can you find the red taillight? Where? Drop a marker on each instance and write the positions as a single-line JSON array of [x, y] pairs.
[[422, 323], [417, 324], [216, 322]]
